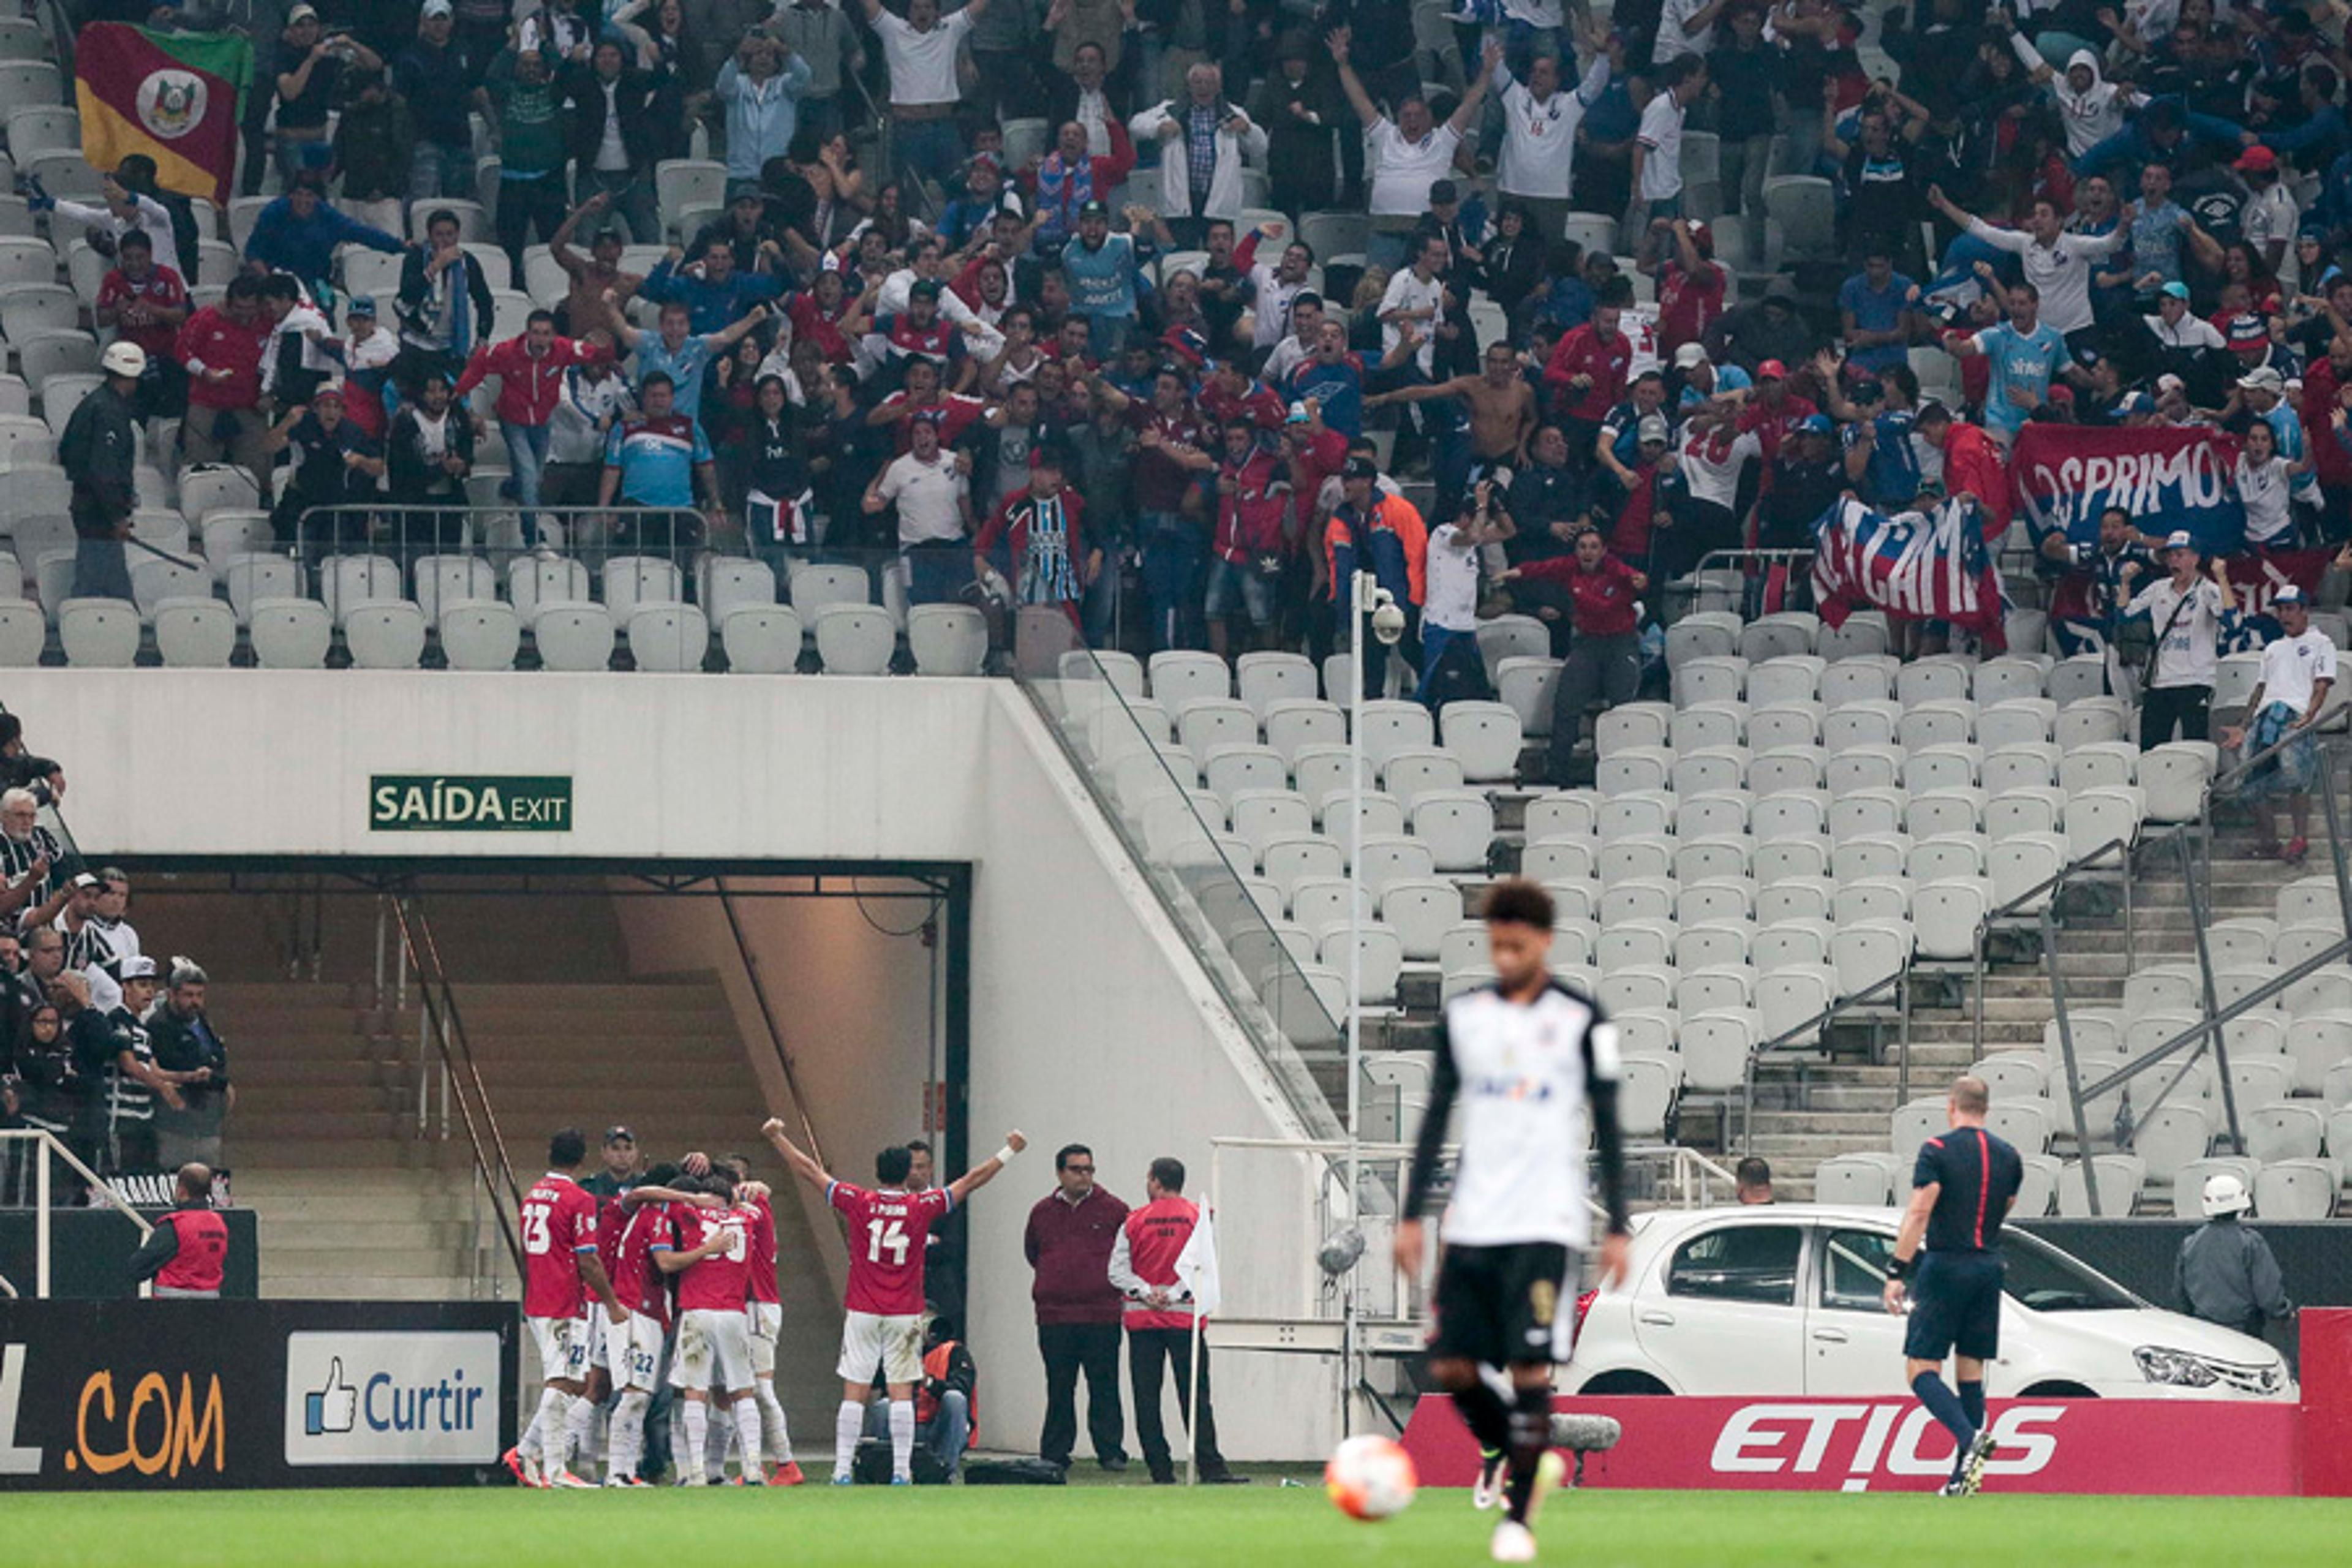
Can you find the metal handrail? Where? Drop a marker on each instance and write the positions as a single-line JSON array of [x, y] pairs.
[[441, 1021], [2048, 885], [316, 530], [2310, 733], [2246, 1004], [768, 1021], [1786, 1040], [50, 1143]]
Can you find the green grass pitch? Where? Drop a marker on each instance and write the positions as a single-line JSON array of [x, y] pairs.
[[1259, 1526]]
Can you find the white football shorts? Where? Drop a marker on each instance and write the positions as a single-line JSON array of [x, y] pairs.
[[767, 1324], [714, 1351], [893, 1346], [563, 1347]]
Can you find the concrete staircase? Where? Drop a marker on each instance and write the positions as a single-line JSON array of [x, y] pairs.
[[360, 1197]]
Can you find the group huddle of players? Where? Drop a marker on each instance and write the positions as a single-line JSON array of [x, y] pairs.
[[674, 1278]]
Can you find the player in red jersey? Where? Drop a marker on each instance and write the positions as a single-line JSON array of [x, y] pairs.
[[765, 1311], [560, 1271], [643, 1222], [714, 1344], [888, 1229]]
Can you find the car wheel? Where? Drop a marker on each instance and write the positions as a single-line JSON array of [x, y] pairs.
[[1624, 1382], [2057, 1390]]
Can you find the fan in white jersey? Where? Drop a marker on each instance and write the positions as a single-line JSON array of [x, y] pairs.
[[1534, 1065]]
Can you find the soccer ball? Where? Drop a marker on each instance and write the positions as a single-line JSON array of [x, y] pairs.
[[1370, 1477]]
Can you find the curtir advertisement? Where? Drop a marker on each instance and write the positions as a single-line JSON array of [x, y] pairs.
[[196, 1393]]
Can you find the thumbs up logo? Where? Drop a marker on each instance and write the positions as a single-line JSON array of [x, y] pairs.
[[332, 1408]]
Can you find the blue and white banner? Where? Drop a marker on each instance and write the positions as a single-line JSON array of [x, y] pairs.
[[2064, 476], [1913, 565]]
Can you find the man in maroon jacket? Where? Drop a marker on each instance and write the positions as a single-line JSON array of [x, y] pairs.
[[187, 1253], [1071, 1233]]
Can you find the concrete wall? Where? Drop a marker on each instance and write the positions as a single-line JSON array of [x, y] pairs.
[[1090, 1020]]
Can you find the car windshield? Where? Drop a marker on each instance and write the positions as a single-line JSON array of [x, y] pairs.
[[2039, 1275]]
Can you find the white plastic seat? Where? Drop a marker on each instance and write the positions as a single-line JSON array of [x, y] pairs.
[[1715, 1048], [575, 637], [669, 638], [2019, 766], [1456, 826], [2189, 1181], [1854, 1179], [1484, 736], [1642, 770], [1940, 678], [1558, 859], [1292, 724], [2119, 1177], [153, 580], [812, 586], [1421, 910], [1945, 917], [480, 635], [1698, 724], [1792, 725], [1288, 861], [2297, 1189], [2019, 862], [1261, 816], [1854, 679], [855, 639], [1263, 678], [2173, 778], [1640, 813], [1865, 953], [290, 633], [1205, 723], [1177, 678], [1789, 1000], [1527, 686], [102, 634], [2284, 1131], [1646, 1094], [2024, 809], [385, 635], [1381, 959], [1389, 727], [2170, 1138], [761, 639], [1629, 726], [947, 639], [2089, 721], [2037, 1188], [195, 633], [2026, 720], [1418, 770], [2100, 816]]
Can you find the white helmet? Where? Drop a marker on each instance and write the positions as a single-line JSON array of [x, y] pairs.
[[2226, 1193], [124, 358]]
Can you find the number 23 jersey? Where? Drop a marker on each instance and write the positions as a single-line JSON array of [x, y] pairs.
[[888, 1232]]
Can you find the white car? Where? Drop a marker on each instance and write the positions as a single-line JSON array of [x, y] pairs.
[[1784, 1299]]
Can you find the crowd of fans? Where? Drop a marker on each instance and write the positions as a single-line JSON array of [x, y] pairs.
[[1103, 368], [99, 1045]]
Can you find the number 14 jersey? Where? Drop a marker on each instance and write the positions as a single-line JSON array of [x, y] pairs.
[[888, 1232]]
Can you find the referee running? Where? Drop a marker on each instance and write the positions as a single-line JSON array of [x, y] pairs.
[[1961, 1189]]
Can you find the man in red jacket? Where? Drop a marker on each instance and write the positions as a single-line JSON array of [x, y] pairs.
[[220, 348], [531, 383], [1604, 662], [1586, 379], [1149, 1269], [186, 1254], [1071, 1232], [1251, 544]]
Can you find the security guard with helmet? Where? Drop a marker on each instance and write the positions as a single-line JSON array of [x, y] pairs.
[[100, 453], [2225, 1273]]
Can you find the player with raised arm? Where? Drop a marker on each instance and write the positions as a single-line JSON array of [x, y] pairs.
[[888, 1229], [714, 1340], [1534, 1063], [560, 1271]]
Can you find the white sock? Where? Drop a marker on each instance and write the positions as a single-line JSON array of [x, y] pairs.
[[722, 1440], [529, 1442], [697, 1432], [902, 1439], [554, 1408], [847, 1423], [747, 1435], [628, 1439], [771, 1415], [580, 1433]]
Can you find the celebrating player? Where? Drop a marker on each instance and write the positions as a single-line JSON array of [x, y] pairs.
[[766, 1313], [884, 1329], [1533, 1061], [647, 1224], [714, 1342], [1961, 1188], [560, 1268]]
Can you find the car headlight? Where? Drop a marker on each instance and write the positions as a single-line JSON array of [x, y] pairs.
[[2183, 1368], [2159, 1365]]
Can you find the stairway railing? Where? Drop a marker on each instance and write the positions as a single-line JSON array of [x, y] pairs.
[[444, 1044]]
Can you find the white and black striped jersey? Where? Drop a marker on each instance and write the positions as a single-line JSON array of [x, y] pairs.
[[17, 855], [1532, 1078]]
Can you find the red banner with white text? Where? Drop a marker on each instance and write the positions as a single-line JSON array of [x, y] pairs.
[[2204, 1448]]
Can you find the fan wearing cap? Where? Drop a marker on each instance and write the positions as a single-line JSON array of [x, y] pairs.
[[2191, 613], [2268, 220], [1777, 408], [625, 1167], [2180, 332], [133, 1082], [1805, 476], [2263, 392], [2288, 699], [99, 451], [336, 464], [1373, 531], [1699, 378]]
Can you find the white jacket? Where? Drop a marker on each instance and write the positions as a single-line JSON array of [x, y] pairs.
[[1175, 181]]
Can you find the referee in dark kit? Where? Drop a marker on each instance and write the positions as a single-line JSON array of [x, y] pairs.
[[1961, 1188]]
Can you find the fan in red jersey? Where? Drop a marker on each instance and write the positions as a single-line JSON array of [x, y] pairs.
[[713, 1262], [888, 1229], [560, 1271]]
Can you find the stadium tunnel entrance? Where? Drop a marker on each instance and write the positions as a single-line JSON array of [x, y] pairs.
[[386, 1017]]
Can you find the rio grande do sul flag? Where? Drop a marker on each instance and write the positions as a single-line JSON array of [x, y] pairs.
[[172, 96]]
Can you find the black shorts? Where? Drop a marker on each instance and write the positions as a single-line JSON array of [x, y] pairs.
[[1955, 1306], [1505, 1305]]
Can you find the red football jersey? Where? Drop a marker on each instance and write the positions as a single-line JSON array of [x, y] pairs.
[[889, 1232], [559, 1223], [716, 1284], [762, 1231], [641, 1285]]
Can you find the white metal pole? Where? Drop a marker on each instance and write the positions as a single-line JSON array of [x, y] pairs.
[[1365, 586], [41, 1236]]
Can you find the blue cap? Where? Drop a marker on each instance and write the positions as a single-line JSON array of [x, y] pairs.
[[359, 305], [2176, 288], [1815, 424]]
